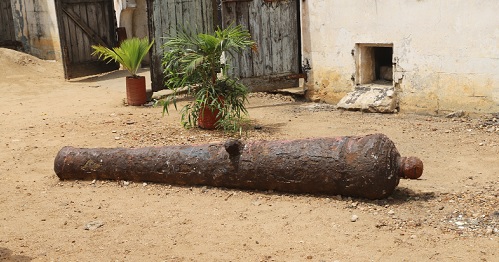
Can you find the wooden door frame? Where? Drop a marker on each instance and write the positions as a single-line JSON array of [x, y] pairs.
[[82, 68]]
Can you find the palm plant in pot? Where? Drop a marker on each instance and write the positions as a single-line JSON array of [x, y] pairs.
[[193, 64], [129, 54]]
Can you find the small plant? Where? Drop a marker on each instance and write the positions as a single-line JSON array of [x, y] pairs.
[[129, 54], [193, 64]]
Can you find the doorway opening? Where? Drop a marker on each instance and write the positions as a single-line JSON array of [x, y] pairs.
[[374, 64]]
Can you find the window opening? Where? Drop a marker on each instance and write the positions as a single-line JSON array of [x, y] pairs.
[[374, 64]]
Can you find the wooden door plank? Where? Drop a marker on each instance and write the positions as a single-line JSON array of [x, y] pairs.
[[257, 36], [294, 65], [179, 19], [155, 32], [63, 35], [267, 13], [246, 65], [168, 16], [275, 38], [194, 12], [6, 22], [168, 19], [274, 27], [85, 1], [109, 31], [76, 18], [92, 20], [73, 40], [92, 23], [289, 38], [80, 10], [228, 17]]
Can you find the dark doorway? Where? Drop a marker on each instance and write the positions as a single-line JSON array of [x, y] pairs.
[[383, 60], [7, 34]]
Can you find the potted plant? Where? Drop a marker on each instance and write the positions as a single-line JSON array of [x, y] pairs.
[[193, 64], [129, 54]]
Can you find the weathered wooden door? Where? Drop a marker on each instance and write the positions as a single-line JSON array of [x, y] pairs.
[[83, 23], [7, 35], [275, 27], [166, 16], [273, 24]]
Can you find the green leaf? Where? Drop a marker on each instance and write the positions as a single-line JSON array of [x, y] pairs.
[[129, 54], [192, 62]]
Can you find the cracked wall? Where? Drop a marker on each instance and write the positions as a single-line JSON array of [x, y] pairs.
[[446, 56], [35, 25]]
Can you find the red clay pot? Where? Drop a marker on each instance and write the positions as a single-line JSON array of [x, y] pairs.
[[136, 90], [208, 119]]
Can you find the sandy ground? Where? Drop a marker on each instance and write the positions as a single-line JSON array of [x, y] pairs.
[[450, 214]]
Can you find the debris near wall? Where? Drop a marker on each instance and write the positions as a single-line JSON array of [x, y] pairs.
[[359, 166], [490, 123], [457, 114], [371, 98]]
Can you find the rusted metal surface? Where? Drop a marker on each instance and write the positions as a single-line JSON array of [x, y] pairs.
[[366, 166], [411, 167]]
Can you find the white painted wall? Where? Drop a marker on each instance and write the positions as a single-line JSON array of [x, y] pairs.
[[35, 25], [140, 24], [446, 52], [132, 14]]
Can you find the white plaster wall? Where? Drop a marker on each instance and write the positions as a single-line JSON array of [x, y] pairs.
[[132, 14], [447, 52], [140, 24], [35, 24], [118, 6]]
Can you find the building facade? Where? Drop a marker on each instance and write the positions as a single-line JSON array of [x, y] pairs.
[[35, 28], [439, 56]]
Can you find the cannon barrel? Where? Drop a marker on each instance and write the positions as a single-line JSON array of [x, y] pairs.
[[359, 166]]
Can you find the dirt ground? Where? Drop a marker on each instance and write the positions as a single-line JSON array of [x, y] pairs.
[[450, 214]]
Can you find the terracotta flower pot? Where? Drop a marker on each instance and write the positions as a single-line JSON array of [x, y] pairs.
[[208, 119], [136, 90]]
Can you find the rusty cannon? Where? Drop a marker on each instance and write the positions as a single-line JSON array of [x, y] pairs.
[[359, 166]]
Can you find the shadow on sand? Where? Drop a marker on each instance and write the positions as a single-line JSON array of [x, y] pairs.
[[6, 255], [118, 74]]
